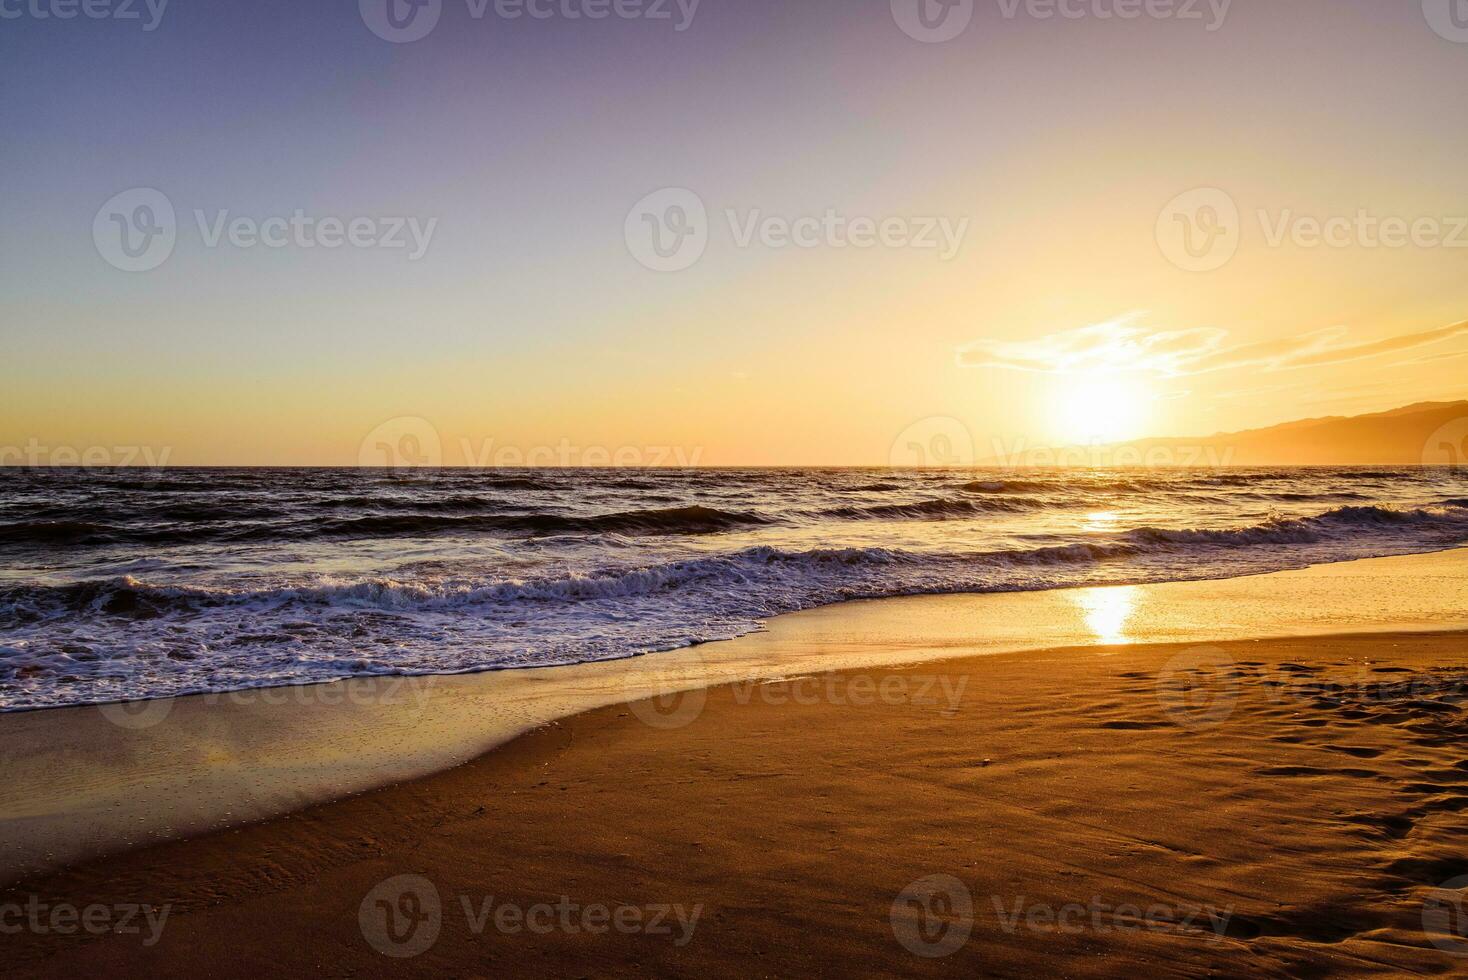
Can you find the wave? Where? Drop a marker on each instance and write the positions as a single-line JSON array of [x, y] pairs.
[[1235, 479], [516, 483], [56, 532], [1089, 482], [162, 632], [633, 484], [129, 597], [456, 504], [300, 575], [1181, 481], [1368, 475], [668, 521], [1002, 486], [933, 509], [1300, 530], [1287, 496], [673, 520]]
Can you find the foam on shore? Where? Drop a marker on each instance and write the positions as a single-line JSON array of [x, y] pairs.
[[87, 781]]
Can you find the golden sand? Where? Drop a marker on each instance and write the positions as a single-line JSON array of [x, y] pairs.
[[83, 782], [1251, 807], [1288, 811]]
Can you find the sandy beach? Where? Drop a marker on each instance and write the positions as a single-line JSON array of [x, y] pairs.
[[88, 781], [1244, 807], [652, 488]]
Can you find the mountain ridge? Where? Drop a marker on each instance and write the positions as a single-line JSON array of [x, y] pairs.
[[1431, 433]]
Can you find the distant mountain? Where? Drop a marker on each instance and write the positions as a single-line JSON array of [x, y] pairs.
[[1428, 433]]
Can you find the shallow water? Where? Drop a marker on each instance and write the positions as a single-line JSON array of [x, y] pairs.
[[139, 583]]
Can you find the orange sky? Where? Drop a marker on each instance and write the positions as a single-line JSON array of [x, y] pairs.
[[1164, 230]]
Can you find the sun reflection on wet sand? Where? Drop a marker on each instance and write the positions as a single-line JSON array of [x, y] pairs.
[[1107, 611]]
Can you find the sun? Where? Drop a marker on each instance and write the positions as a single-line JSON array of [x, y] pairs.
[[1091, 410]]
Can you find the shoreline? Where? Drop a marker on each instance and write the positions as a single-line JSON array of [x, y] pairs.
[[246, 692], [89, 781], [1297, 820], [178, 637]]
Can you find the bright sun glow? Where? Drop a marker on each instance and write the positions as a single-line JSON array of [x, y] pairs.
[[1107, 611], [1101, 409]]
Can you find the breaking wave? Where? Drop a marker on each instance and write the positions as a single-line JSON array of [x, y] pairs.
[[120, 586]]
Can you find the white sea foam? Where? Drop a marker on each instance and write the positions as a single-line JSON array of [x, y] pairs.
[[360, 575]]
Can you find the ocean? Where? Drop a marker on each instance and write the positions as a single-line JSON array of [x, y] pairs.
[[137, 583]]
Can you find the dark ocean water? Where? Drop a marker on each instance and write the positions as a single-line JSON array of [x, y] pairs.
[[139, 583]]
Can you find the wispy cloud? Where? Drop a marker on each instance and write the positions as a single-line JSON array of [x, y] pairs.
[[1428, 358], [1126, 345]]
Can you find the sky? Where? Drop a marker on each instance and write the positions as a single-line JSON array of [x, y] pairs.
[[732, 232]]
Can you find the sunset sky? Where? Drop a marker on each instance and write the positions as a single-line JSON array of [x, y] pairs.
[[529, 320]]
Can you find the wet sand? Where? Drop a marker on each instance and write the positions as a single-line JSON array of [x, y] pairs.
[[1258, 808], [86, 782], [1251, 807]]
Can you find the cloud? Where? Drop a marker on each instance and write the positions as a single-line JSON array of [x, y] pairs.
[[1117, 345], [1429, 358], [1125, 345]]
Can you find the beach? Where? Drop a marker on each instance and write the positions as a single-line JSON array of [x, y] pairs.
[[1235, 799], [631, 488]]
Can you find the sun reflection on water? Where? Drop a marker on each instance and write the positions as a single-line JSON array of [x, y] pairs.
[[1107, 611], [1101, 520]]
